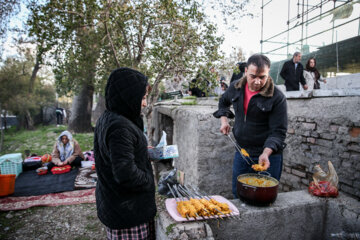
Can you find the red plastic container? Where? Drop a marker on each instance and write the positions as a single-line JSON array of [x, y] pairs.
[[7, 184]]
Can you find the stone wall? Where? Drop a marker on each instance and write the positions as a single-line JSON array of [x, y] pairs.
[[294, 215], [320, 129]]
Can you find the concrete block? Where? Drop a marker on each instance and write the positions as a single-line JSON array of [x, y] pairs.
[[301, 119], [309, 126], [305, 133], [328, 136], [343, 130], [315, 134], [356, 184], [334, 128], [298, 173], [291, 131], [354, 147], [311, 140], [346, 164], [287, 169], [344, 155], [324, 143]]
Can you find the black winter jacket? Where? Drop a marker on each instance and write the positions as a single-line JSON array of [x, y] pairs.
[[125, 191], [292, 77], [265, 123]]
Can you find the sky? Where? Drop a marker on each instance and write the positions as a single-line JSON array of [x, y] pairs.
[[248, 34], [275, 18]]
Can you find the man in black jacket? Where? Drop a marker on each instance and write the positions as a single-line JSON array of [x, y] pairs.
[[292, 73], [125, 190], [260, 118]]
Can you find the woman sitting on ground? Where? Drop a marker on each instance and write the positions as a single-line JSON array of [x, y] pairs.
[[66, 151]]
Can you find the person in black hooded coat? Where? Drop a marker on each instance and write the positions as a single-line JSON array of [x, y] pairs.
[[125, 190]]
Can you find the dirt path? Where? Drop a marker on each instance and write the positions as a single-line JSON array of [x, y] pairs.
[[73, 222], [78, 222]]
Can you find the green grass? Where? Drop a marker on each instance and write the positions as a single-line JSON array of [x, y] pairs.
[[194, 102], [190, 97], [41, 140], [169, 228]]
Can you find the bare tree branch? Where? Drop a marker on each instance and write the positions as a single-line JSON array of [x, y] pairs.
[[109, 37], [126, 41], [142, 44]]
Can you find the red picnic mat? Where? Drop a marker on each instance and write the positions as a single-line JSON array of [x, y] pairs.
[[51, 199]]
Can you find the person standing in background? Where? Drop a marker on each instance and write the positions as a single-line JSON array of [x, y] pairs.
[[312, 75], [241, 68], [59, 115], [292, 73]]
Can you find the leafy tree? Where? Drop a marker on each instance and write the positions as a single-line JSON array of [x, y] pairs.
[[90, 38], [8, 8], [14, 92]]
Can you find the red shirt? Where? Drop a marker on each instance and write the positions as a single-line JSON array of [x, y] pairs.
[[247, 97]]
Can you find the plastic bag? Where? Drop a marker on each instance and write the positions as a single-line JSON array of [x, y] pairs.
[[170, 179], [325, 184], [162, 142]]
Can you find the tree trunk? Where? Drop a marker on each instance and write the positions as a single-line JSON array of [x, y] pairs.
[[99, 109], [29, 122], [34, 73], [28, 119], [80, 119]]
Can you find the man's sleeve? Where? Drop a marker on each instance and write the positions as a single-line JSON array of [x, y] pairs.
[[283, 71], [224, 104], [278, 126], [302, 79]]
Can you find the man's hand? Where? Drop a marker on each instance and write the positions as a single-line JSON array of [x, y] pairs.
[[225, 127], [264, 158], [305, 87]]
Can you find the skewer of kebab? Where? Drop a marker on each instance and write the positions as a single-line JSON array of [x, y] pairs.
[[202, 209], [214, 210], [184, 212], [224, 208], [187, 205]]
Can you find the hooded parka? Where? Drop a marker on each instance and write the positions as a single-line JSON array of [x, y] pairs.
[[125, 191]]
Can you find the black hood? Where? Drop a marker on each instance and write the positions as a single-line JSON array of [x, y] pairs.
[[124, 91]]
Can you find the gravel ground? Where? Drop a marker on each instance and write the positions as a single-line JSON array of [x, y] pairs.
[[75, 222], [61, 222]]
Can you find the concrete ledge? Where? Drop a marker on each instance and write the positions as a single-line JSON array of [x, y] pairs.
[[336, 92], [294, 215]]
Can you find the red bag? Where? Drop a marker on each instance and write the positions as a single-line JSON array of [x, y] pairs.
[[60, 170], [323, 189], [325, 183]]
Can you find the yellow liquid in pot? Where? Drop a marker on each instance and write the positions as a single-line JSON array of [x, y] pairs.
[[257, 182]]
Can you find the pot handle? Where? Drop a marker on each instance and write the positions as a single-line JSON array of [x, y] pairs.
[[253, 187], [264, 173]]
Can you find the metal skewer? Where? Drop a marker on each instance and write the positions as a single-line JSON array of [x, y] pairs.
[[238, 147], [181, 190], [216, 209], [177, 192], [187, 217], [192, 195], [197, 192]]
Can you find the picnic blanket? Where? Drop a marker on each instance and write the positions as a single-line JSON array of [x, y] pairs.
[[52, 199], [86, 178], [28, 183]]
